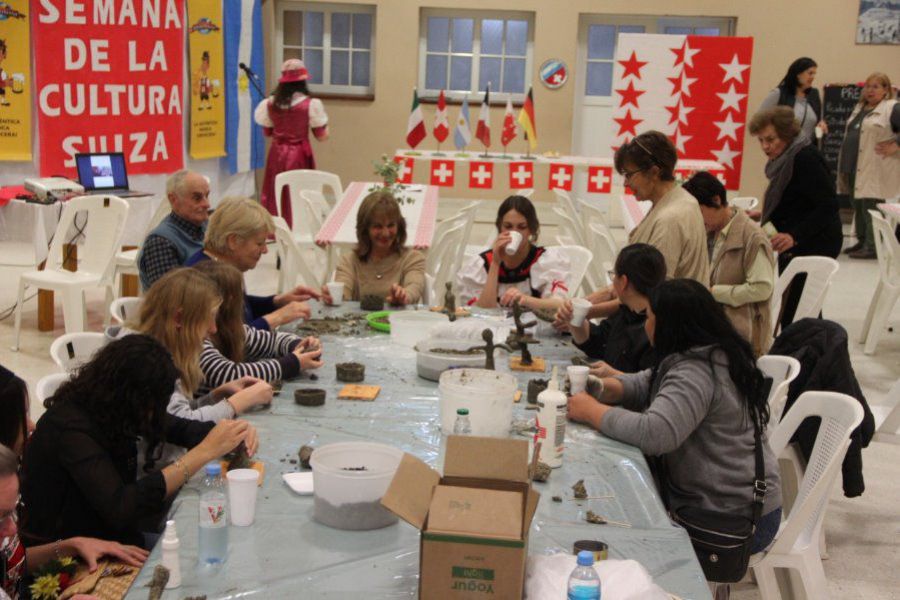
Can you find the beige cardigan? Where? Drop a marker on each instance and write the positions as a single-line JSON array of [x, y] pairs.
[[675, 227], [876, 176], [376, 278]]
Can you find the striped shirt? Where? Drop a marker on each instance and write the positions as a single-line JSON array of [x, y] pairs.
[[267, 355]]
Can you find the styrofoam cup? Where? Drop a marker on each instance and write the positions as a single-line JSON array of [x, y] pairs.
[[514, 242], [336, 289], [580, 308], [243, 485], [578, 377]]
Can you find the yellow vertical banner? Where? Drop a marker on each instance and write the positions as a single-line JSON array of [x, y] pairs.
[[15, 87], [207, 65]]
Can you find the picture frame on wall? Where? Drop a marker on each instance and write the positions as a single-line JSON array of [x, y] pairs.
[[878, 22]]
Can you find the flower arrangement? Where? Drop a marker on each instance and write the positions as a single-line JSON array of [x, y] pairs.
[[389, 171], [53, 579]]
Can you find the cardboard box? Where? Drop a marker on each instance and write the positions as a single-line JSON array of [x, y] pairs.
[[474, 520]]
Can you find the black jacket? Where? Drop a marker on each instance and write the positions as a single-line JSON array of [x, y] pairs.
[[808, 209], [76, 483], [812, 99], [621, 341], [821, 348]]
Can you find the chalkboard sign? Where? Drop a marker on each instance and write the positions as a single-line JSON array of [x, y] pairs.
[[840, 100]]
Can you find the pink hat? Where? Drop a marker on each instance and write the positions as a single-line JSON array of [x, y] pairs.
[[292, 70]]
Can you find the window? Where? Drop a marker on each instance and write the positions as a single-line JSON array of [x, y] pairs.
[[601, 50], [463, 51], [336, 41]]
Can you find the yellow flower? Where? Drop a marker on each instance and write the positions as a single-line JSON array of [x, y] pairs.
[[45, 587], [65, 561]]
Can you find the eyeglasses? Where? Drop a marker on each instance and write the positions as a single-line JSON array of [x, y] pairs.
[[629, 174], [611, 273]]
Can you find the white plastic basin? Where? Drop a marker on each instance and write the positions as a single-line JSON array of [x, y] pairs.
[[489, 396], [408, 327], [430, 365]]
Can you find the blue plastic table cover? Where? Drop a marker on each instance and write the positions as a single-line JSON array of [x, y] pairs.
[[285, 553]]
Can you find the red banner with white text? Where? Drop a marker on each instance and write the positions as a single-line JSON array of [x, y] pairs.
[[108, 77]]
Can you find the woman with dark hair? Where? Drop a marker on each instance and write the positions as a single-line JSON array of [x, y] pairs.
[[80, 466], [619, 341], [742, 274], [796, 92], [16, 425], [381, 264], [288, 116], [696, 410], [532, 276]]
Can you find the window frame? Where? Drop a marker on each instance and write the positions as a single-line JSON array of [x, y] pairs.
[[325, 89], [477, 16]]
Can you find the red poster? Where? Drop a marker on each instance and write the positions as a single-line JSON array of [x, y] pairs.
[[481, 175], [599, 180], [109, 79], [521, 175], [405, 175], [442, 172], [560, 177]]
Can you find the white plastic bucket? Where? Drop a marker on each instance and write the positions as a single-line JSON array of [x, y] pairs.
[[488, 395], [431, 365], [408, 327], [347, 498]]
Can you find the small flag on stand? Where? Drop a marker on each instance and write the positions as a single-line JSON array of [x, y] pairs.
[[483, 129], [463, 135], [441, 125], [415, 126], [526, 120], [509, 126]]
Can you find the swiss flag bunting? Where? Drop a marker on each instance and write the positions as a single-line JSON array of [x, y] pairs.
[[560, 177], [599, 180], [406, 168], [481, 175], [521, 175], [442, 172]]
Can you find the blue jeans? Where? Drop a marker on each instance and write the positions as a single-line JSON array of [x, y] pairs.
[[766, 528]]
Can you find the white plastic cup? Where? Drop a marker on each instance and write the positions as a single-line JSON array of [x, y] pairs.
[[243, 485], [578, 376], [514, 242], [336, 289], [580, 308]]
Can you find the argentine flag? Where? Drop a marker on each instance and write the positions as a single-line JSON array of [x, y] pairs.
[[462, 135], [243, 44]]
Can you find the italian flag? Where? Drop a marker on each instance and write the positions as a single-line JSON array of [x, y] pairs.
[[415, 126]]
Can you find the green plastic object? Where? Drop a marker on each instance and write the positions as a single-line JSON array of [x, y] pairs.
[[371, 318]]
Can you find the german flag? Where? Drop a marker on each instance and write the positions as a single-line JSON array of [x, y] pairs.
[[526, 120]]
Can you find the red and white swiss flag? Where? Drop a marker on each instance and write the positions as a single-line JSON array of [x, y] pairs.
[[406, 168], [442, 172], [599, 180], [481, 175], [560, 177], [521, 175]]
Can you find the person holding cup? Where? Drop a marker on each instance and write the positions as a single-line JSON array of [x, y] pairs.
[[515, 269]]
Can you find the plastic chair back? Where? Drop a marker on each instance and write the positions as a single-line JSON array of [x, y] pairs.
[[579, 259], [97, 220], [888, 249], [293, 263], [819, 271], [782, 370], [443, 257], [887, 417], [48, 384], [440, 230], [744, 202], [125, 309], [71, 350], [327, 184]]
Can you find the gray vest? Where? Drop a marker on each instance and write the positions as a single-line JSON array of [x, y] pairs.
[[184, 244]]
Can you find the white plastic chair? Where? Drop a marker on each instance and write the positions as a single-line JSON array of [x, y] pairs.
[[887, 417], [48, 384], [579, 259], [293, 262], [819, 271], [71, 350], [125, 309], [782, 370], [525, 193], [313, 180], [795, 546], [102, 231], [442, 259], [888, 289], [745, 202], [605, 249], [126, 260]]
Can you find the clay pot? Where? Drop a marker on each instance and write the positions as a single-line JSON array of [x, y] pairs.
[[350, 372], [309, 397], [304, 454], [371, 302], [535, 387]]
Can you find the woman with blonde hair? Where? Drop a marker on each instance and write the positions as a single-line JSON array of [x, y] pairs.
[[236, 350], [869, 163], [381, 265], [237, 234]]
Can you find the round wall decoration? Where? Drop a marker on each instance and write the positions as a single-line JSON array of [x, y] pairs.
[[554, 73]]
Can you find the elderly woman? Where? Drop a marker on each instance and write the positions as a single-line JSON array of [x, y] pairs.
[[743, 267], [800, 209], [796, 92], [237, 234], [381, 265], [869, 163]]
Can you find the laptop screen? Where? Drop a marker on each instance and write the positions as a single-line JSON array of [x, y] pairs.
[[104, 171]]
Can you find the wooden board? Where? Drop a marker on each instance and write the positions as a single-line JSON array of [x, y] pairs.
[[99, 586], [353, 391], [518, 396], [537, 364], [460, 311], [257, 465]]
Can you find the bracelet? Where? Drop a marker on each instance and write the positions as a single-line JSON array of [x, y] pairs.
[[184, 469]]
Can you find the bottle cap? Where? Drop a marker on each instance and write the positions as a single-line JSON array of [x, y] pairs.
[[170, 534], [462, 411], [585, 559], [214, 468], [552, 384]]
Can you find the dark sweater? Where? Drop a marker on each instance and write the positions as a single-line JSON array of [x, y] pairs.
[[75, 482], [255, 307], [620, 341]]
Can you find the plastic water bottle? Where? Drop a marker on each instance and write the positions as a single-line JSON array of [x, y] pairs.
[[213, 517], [462, 426], [584, 583]]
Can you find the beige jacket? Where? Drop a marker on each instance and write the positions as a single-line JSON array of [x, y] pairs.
[[876, 176], [376, 278], [744, 240], [675, 227]]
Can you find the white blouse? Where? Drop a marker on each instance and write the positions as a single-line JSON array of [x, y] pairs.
[[548, 276], [317, 116]]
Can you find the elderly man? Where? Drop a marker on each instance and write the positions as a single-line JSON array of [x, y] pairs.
[[181, 233]]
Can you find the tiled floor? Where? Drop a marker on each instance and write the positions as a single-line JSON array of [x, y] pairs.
[[862, 532]]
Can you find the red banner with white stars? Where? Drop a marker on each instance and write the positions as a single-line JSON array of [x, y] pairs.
[[692, 88]]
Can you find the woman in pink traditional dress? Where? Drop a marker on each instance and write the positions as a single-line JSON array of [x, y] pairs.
[[287, 116]]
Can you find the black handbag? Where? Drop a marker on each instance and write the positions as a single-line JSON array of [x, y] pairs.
[[722, 541]]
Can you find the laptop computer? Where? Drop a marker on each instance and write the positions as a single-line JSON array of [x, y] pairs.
[[105, 173]]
